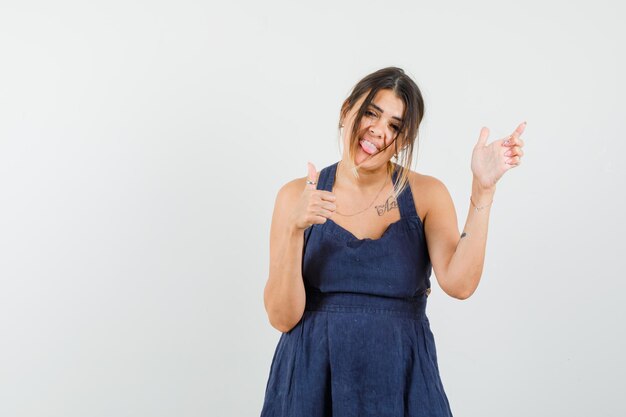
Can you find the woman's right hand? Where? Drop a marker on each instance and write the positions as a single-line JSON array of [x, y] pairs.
[[314, 206]]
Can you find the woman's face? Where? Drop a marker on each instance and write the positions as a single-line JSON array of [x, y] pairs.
[[378, 127]]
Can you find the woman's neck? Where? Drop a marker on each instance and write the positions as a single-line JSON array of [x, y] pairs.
[[367, 181]]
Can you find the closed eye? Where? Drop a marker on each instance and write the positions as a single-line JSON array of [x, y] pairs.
[[372, 114]]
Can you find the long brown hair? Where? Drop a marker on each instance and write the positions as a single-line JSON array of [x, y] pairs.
[[394, 79]]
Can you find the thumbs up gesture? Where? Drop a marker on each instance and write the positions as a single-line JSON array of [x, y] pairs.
[[314, 206]]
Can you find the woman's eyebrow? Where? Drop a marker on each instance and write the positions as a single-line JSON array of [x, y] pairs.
[[382, 111]]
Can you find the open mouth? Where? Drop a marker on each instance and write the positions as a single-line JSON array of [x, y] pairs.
[[368, 146]]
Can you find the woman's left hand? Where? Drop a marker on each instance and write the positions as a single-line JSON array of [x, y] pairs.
[[490, 162]]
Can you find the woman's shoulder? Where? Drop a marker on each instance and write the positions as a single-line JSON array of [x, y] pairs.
[[426, 189], [424, 180], [292, 189]]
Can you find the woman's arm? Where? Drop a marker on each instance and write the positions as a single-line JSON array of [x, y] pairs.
[[466, 265], [284, 295], [457, 260]]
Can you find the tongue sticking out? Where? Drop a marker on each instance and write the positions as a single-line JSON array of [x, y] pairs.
[[368, 147]]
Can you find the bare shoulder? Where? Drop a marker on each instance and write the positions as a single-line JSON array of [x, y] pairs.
[[292, 189], [287, 197], [427, 192]]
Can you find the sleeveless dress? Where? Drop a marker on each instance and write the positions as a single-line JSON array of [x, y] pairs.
[[363, 346]]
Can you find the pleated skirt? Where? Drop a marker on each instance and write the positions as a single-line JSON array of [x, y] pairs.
[[357, 355]]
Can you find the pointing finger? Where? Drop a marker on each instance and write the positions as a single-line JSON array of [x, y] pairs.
[[516, 133], [514, 138]]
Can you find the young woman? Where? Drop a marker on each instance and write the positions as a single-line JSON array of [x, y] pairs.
[[351, 253]]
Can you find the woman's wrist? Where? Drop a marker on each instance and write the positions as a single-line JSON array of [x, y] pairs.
[[482, 196]]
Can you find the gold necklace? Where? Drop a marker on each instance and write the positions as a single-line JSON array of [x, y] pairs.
[[359, 212]]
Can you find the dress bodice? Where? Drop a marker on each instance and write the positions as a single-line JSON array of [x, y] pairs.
[[395, 265]]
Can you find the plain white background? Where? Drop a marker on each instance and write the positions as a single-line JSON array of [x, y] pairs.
[[142, 144]]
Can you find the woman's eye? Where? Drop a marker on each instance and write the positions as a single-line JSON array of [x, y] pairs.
[[372, 114]]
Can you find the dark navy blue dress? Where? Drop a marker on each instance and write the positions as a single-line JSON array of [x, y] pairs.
[[363, 346]]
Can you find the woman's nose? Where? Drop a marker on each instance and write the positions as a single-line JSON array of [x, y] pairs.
[[375, 128]]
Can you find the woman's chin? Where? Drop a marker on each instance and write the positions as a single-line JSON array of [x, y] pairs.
[[362, 157], [367, 162], [361, 161]]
